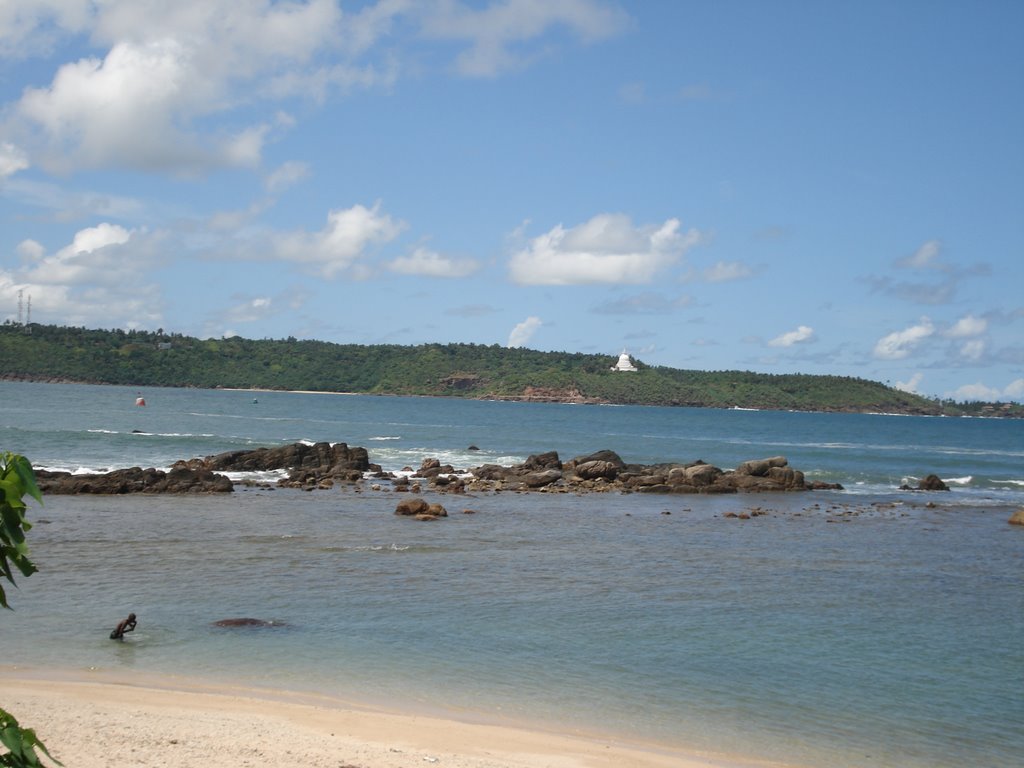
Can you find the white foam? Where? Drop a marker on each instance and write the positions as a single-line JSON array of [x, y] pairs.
[[958, 480]]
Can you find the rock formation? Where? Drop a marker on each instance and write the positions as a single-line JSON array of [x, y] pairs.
[[135, 480]]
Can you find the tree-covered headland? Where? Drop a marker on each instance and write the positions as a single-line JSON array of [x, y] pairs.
[[143, 358]]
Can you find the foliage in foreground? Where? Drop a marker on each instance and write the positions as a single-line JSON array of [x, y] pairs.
[[21, 744], [16, 481]]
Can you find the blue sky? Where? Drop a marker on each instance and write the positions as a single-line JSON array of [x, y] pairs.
[[771, 186]]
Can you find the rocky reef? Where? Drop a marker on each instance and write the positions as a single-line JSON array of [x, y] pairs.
[[323, 465]]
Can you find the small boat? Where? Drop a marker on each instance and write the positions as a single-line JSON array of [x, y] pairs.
[[140, 401]]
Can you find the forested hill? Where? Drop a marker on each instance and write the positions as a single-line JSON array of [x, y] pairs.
[[139, 358]]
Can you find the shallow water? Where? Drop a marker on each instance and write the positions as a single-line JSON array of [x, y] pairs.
[[839, 629]]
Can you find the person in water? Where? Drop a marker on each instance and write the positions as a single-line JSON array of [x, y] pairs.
[[128, 625]]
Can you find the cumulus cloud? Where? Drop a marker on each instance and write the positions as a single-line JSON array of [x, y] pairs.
[[165, 74], [898, 344], [100, 279], [912, 385], [606, 249], [802, 334], [976, 391], [92, 256], [506, 35], [349, 233], [979, 391], [523, 332], [966, 327], [31, 28], [12, 159], [423, 261], [169, 67]]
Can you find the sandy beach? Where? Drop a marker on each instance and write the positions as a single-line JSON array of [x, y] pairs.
[[174, 723]]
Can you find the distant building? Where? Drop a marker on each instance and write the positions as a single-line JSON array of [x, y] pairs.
[[624, 364]]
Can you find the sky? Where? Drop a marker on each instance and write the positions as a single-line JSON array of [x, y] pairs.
[[783, 187]]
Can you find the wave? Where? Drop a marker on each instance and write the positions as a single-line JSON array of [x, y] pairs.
[[958, 480], [384, 438]]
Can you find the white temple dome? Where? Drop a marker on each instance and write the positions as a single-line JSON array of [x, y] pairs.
[[624, 364]]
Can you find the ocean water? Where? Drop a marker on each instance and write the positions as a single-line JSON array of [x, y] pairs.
[[867, 627]]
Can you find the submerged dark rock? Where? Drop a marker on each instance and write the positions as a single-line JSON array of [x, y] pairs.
[[249, 622], [929, 483]]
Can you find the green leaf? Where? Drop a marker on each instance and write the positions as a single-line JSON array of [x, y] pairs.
[[27, 475]]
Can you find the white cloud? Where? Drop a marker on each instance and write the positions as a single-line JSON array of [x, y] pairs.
[[168, 66], [500, 34], [898, 344], [250, 310], [912, 385], [30, 28], [605, 249], [423, 261], [124, 110], [973, 349], [966, 327], [91, 257], [977, 391], [1015, 390], [345, 239], [801, 334], [285, 176], [12, 160], [523, 332], [30, 250], [925, 257], [99, 280], [726, 271]]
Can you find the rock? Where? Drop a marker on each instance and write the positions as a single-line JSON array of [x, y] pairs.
[[180, 479], [247, 622], [437, 510], [412, 506], [698, 475], [605, 455], [309, 464], [1017, 518], [541, 461], [592, 470], [542, 478], [761, 467], [491, 472], [932, 483]]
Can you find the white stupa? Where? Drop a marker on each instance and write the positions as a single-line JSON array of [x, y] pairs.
[[624, 364]]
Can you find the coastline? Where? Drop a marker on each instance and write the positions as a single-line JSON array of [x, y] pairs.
[[93, 720]]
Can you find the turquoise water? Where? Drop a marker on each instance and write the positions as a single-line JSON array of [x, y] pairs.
[[858, 628]]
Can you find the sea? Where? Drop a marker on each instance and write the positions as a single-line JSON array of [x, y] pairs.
[[855, 628]]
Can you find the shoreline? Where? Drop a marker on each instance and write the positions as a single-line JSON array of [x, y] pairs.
[[527, 398], [87, 720]]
